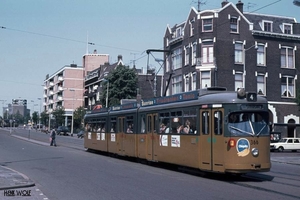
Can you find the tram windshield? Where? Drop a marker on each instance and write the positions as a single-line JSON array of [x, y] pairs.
[[248, 123]]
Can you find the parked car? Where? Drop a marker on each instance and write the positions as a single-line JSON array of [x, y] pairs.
[[62, 130], [286, 144], [80, 134]]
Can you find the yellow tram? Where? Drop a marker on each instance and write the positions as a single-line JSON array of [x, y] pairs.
[[211, 130]]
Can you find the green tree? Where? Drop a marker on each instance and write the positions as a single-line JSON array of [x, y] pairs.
[[122, 82], [59, 115], [44, 118], [78, 117], [35, 117]]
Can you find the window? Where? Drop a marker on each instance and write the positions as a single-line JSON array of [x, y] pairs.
[[238, 80], [207, 25], [178, 32], [167, 65], [261, 55], [287, 57], [176, 84], [177, 58], [194, 81], [187, 83], [238, 52], [233, 24], [187, 55], [205, 79], [143, 123], [194, 56], [268, 26], [287, 86], [218, 123], [261, 85], [287, 29], [192, 24], [205, 123], [207, 53], [129, 124]]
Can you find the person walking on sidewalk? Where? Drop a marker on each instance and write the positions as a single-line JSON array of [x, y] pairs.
[[52, 138]]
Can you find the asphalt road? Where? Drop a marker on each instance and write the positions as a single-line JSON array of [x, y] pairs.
[[69, 172]]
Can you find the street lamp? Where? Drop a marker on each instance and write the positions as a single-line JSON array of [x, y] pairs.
[[107, 88], [40, 114]]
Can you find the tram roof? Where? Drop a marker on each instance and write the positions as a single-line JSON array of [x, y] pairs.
[[215, 95]]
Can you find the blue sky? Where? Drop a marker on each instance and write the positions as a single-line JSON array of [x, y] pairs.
[[42, 36]]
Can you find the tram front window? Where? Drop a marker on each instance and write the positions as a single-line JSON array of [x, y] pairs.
[[248, 123]]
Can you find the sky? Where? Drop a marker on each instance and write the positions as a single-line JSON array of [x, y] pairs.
[[39, 37]]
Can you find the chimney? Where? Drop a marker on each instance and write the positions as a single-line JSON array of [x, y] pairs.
[[240, 6], [95, 51], [224, 3], [119, 57]]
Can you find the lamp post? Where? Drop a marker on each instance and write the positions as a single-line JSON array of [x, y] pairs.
[[40, 114], [107, 88], [72, 123]]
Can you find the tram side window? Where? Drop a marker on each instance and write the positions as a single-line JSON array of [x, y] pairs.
[[176, 123], [143, 124], [129, 124], [102, 126], [149, 123], [113, 124], [164, 123], [205, 123], [218, 123], [189, 119]]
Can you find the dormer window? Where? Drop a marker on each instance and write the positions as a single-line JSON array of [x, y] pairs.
[[268, 26], [178, 32], [287, 29], [233, 24], [207, 25]]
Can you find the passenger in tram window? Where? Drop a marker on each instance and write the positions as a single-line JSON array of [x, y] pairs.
[[103, 130], [129, 129], [162, 128], [167, 130], [180, 129], [186, 129], [245, 117]]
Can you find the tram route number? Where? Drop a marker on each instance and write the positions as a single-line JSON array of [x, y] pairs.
[[253, 142]]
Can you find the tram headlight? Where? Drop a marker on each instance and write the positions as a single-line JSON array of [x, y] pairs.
[[254, 152]]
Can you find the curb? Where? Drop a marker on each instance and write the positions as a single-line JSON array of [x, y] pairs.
[[14, 183]]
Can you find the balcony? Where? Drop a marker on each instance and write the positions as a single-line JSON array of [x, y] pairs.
[[51, 92], [51, 83], [60, 78], [59, 98], [60, 88], [51, 101]]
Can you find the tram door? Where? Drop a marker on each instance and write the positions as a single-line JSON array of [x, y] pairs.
[[211, 139], [120, 134], [151, 136]]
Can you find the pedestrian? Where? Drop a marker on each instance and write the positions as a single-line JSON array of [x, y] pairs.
[[52, 138]]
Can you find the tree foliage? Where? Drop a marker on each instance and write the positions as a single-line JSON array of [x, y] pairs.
[[78, 117], [58, 114], [122, 84], [35, 117], [44, 118]]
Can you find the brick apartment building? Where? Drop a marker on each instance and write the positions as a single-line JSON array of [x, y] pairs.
[[231, 48], [65, 87]]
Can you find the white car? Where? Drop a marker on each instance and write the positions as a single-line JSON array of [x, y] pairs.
[[286, 144]]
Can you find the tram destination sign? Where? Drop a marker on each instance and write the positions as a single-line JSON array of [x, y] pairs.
[[171, 99]]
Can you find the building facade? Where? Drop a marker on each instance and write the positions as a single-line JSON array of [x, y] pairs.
[[231, 48], [63, 89]]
